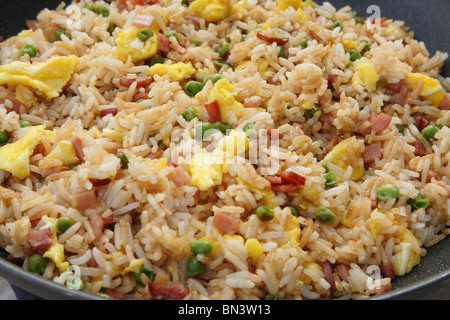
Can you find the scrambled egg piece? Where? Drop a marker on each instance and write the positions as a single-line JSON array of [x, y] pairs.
[[15, 157], [365, 75], [133, 265], [268, 195], [350, 44], [129, 45], [293, 229], [24, 33], [205, 171], [254, 248], [56, 251], [49, 77], [236, 143], [216, 10], [431, 88], [226, 99], [177, 71], [335, 157], [65, 152], [296, 4], [405, 260]]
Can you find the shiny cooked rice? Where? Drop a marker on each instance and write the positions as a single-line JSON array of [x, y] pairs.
[[149, 219]]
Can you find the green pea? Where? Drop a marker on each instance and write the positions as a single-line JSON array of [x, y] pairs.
[[197, 42], [90, 7], [281, 52], [222, 49], [266, 104], [111, 27], [324, 214], [59, 32], [326, 168], [420, 201], [193, 87], [144, 34], [248, 129], [367, 46], [401, 129], [381, 81], [37, 263], [185, 3], [123, 159], [337, 24], [64, 223], [265, 213], [190, 114], [222, 126], [74, 282], [28, 49], [25, 123], [386, 192], [331, 180], [194, 267], [201, 246], [429, 132], [354, 54], [304, 44], [103, 10], [143, 270], [169, 34], [293, 210], [4, 137], [214, 78], [309, 113], [200, 128], [157, 58], [358, 20], [273, 297], [220, 63]]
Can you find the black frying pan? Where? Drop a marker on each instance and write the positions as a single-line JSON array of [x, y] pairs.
[[430, 22]]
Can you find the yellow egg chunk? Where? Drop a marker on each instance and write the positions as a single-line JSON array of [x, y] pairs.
[[284, 4], [177, 71], [254, 248], [335, 157], [431, 88], [365, 75], [205, 172], [129, 45], [226, 99], [405, 260], [235, 143], [133, 265], [56, 254], [15, 157], [49, 77], [216, 10], [65, 152]]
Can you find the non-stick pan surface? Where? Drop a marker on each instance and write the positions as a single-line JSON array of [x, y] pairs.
[[430, 22]]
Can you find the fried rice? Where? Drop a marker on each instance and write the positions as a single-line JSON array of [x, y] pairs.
[[325, 178]]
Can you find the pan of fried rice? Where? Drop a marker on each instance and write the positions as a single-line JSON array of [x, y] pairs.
[[225, 149]]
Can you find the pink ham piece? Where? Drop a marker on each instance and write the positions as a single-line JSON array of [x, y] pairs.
[[178, 177], [39, 240], [372, 152], [97, 224], [378, 123], [143, 21], [78, 145], [226, 222], [445, 103], [167, 291], [86, 200], [163, 44]]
